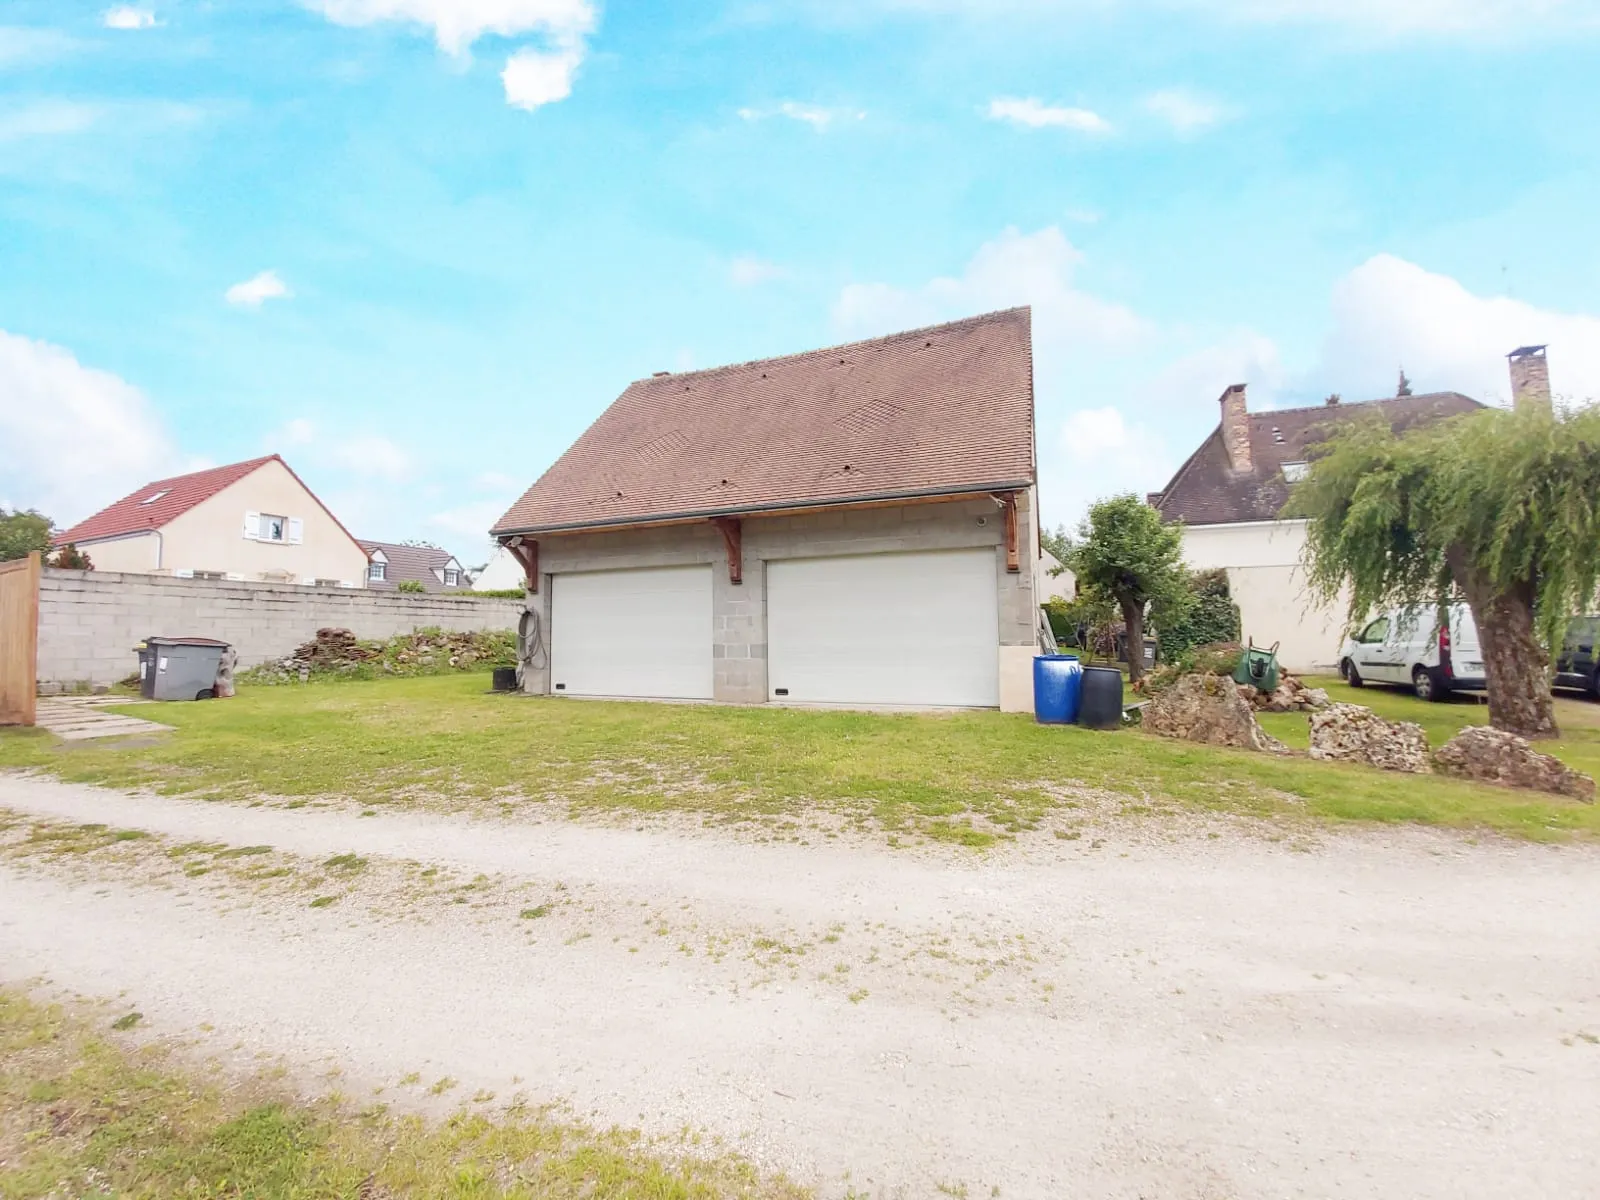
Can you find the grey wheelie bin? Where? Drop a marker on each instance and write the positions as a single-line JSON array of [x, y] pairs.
[[179, 668]]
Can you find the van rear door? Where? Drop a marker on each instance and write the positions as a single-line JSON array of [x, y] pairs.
[[1466, 655]]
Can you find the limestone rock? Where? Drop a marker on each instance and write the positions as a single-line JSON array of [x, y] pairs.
[[1351, 733], [1495, 756], [1291, 695], [1209, 709]]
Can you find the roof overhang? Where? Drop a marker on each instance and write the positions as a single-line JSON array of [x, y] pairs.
[[776, 509]]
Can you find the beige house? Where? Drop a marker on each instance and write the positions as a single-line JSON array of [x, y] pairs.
[[252, 520], [1229, 495]]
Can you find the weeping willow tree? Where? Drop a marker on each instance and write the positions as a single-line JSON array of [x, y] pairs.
[[1500, 508]]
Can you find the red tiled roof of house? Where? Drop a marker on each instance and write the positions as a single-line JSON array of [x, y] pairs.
[[931, 411], [156, 504], [1208, 491]]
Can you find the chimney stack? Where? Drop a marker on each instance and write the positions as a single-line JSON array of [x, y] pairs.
[[1530, 377], [1236, 428]]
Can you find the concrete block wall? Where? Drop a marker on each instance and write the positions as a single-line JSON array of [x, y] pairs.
[[739, 611], [89, 621]]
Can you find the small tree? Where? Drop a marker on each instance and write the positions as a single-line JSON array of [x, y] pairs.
[[1127, 554], [1057, 541], [1403, 388], [70, 558], [1500, 507], [23, 531]]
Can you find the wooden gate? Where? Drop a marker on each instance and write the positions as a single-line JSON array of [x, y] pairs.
[[19, 639]]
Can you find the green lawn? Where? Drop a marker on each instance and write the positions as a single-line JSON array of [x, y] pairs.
[[88, 1113], [965, 777]]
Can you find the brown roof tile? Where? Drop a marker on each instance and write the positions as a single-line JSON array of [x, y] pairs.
[[412, 563], [943, 409], [1207, 491]]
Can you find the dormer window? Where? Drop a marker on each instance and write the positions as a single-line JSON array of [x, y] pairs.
[[154, 496], [452, 577], [377, 572], [1294, 472]]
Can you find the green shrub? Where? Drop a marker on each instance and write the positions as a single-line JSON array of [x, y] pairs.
[[499, 594], [1210, 617], [412, 587]]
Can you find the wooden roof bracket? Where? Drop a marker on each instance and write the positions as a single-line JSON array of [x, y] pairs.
[[526, 552], [732, 530], [1008, 502]]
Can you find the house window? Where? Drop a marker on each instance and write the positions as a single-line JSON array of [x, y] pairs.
[[274, 529], [1294, 472], [377, 572], [452, 577]]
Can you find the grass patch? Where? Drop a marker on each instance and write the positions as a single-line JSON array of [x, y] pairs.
[[323, 901], [533, 914], [346, 862], [966, 778], [84, 1117]]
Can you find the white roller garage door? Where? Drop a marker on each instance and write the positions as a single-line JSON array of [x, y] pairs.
[[640, 633], [916, 629]]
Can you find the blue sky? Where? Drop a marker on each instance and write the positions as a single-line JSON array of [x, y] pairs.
[[417, 245]]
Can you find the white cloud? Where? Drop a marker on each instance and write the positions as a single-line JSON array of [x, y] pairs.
[[1035, 114], [457, 24], [359, 455], [748, 271], [257, 290], [1186, 111], [1389, 313], [533, 78], [471, 522], [47, 118], [75, 438], [814, 115], [126, 16], [31, 46], [1015, 268]]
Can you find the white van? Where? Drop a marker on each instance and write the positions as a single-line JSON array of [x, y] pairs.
[[1411, 647]]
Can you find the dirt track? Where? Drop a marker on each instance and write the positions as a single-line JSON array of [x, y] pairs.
[[1390, 1014]]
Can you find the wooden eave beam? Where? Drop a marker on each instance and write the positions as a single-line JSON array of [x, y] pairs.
[[732, 530], [526, 552], [1008, 502]]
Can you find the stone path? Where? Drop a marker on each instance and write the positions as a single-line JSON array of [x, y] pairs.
[[78, 718]]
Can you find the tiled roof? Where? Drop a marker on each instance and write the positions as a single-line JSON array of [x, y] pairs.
[[175, 497], [1207, 491], [939, 410], [416, 563]]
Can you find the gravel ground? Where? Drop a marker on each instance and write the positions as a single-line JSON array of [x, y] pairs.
[[1391, 1013]]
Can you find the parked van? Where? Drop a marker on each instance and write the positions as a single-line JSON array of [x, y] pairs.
[[1411, 647], [1578, 665]]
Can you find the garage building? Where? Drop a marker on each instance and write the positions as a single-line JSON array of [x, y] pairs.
[[852, 526]]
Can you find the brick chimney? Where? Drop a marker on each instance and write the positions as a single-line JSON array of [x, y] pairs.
[[1530, 377], [1236, 428]]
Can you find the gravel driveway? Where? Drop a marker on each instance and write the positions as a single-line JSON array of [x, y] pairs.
[[1387, 1013]]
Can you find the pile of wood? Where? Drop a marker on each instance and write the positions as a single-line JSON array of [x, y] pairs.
[[330, 648]]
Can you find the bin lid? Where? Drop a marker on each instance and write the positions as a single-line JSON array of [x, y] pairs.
[[185, 641]]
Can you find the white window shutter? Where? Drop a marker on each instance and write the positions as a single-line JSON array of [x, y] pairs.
[[252, 526], [297, 531]]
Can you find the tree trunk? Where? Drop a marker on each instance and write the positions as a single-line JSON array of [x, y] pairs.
[[1515, 665], [1133, 618]]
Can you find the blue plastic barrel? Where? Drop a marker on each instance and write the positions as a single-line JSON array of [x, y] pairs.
[[1057, 688]]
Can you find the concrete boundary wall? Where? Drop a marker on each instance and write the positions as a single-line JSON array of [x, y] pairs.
[[89, 621]]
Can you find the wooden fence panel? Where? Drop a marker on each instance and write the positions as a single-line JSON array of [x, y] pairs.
[[19, 639]]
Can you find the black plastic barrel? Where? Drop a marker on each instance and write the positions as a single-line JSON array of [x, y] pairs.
[[1101, 707]]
